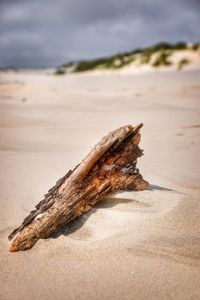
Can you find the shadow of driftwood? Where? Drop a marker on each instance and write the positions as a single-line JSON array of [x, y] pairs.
[[153, 187], [77, 223], [108, 202]]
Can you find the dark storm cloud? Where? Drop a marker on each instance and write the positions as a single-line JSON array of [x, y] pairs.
[[40, 33]]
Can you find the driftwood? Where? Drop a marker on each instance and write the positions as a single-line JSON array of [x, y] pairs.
[[109, 167]]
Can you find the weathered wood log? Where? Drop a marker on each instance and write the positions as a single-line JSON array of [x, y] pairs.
[[109, 167]]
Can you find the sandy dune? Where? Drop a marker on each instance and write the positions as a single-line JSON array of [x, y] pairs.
[[137, 245]]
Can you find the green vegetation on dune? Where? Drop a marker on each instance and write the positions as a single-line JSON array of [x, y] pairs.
[[162, 59], [113, 62], [182, 63], [60, 71], [157, 56], [196, 46]]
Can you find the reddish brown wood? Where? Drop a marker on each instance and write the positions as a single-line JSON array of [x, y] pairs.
[[109, 167]]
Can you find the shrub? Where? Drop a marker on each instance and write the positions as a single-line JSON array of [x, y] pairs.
[[196, 46], [180, 46], [59, 71], [182, 63], [162, 59], [145, 56]]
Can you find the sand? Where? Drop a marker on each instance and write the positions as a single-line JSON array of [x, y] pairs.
[[137, 245]]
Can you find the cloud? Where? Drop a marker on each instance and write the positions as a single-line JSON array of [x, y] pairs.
[[46, 33]]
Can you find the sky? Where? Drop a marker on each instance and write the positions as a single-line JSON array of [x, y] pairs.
[[48, 33]]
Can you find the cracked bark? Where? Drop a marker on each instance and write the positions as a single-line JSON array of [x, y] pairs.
[[108, 168]]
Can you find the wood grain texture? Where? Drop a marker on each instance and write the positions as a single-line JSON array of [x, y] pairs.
[[108, 168]]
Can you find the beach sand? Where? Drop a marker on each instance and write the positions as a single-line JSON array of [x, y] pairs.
[[137, 245]]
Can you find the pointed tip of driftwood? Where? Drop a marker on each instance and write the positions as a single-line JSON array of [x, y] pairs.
[[137, 127], [13, 248]]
